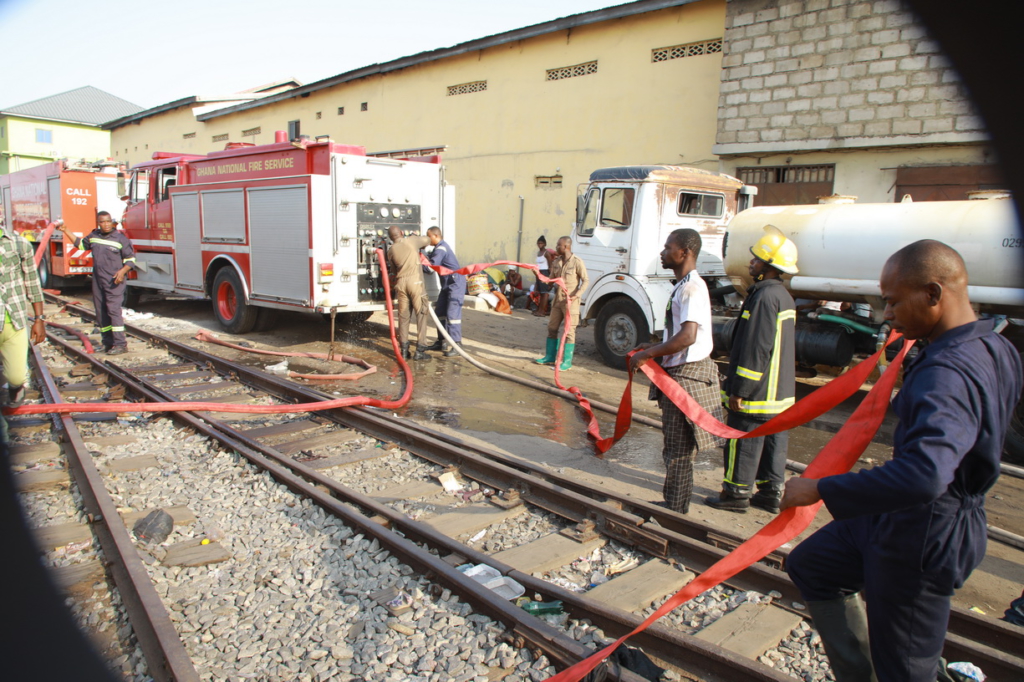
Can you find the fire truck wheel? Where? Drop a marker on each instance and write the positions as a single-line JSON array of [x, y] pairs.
[[621, 327], [233, 313]]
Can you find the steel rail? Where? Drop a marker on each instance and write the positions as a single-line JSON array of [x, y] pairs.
[[535, 634], [968, 627], [165, 653], [685, 652]]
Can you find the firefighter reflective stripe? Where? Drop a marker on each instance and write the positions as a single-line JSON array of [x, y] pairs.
[[730, 462], [749, 373], [773, 369], [766, 406], [745, 315], [106, 329], [129, 260], [106, 242]]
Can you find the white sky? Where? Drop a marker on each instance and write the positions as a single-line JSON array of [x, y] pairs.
[[153, 52]]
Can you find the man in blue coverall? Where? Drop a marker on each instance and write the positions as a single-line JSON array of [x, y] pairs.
[[113, 256], [453, 291], [909, 532]]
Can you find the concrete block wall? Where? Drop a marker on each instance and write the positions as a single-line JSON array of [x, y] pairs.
[[828, 74]]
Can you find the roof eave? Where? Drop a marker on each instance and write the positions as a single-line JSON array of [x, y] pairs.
[[574, 21]]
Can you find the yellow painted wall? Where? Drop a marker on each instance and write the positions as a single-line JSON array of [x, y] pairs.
[[69, 140], [632, 111]]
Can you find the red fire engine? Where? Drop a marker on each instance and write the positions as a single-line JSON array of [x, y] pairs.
[[282, 226], [72, 191]]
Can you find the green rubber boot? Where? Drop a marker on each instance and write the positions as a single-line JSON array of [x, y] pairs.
[[566, 365], [550, 353]]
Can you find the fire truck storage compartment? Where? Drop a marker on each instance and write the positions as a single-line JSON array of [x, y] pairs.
[[187, 248], [279, 243]]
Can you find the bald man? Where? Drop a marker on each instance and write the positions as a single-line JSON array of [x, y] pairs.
[[909, 532]]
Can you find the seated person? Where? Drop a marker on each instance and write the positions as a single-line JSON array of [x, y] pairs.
[[512, 289]]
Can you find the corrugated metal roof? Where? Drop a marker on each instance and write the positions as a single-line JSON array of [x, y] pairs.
[[82, 105]]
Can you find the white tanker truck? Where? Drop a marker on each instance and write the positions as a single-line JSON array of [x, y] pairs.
[[624, 215]]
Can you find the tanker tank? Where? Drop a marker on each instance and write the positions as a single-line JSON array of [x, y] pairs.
[[842, 247]]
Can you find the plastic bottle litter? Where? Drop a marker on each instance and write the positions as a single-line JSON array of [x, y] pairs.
[[540, 608]]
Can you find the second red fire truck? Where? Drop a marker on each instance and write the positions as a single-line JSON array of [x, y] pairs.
[[291, 225]]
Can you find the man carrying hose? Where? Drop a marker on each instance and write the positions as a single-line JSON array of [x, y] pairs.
[[408, 289], [685, 354], [453, 292], [909, 532], [573, 272], [113, 257]]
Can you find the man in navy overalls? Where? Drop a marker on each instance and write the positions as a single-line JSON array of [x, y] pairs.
[[113, 257], [453, 291], [909, 532]]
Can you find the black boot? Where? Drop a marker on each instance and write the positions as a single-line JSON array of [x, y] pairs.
[[767, 499], [449, 351], [15, 396], [405, 352], [437, 345], [729, 501], [419, 354], [843, 626]]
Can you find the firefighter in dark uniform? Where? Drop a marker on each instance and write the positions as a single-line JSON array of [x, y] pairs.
[[910, 531], [112, 258], [453, 292], [761, 381]]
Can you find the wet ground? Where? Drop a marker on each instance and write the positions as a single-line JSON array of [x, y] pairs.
[[453, 396]]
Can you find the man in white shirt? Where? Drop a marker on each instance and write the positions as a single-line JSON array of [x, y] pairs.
[[685, 355]]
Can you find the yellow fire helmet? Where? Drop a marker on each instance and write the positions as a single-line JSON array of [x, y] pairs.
[[775, 249]]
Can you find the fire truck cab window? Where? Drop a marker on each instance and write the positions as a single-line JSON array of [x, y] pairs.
[[708, 205], [167, 179], [617, 207], [139, 186]]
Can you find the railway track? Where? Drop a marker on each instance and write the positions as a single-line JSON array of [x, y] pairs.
[[538, 524]]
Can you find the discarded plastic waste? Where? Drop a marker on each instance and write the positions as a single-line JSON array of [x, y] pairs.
[[279, 368], [505, 587], [539, 608], [968, 670]]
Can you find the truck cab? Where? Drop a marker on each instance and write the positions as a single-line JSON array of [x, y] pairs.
[[623, 216]]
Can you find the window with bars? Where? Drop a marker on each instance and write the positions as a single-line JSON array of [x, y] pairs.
[[220, 138], [548, 181], [319, 115], [663, 54], [466, 88], [341, 111], [761, 175], [252, 132], [789, 185], [572, 71], [187, 136]]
